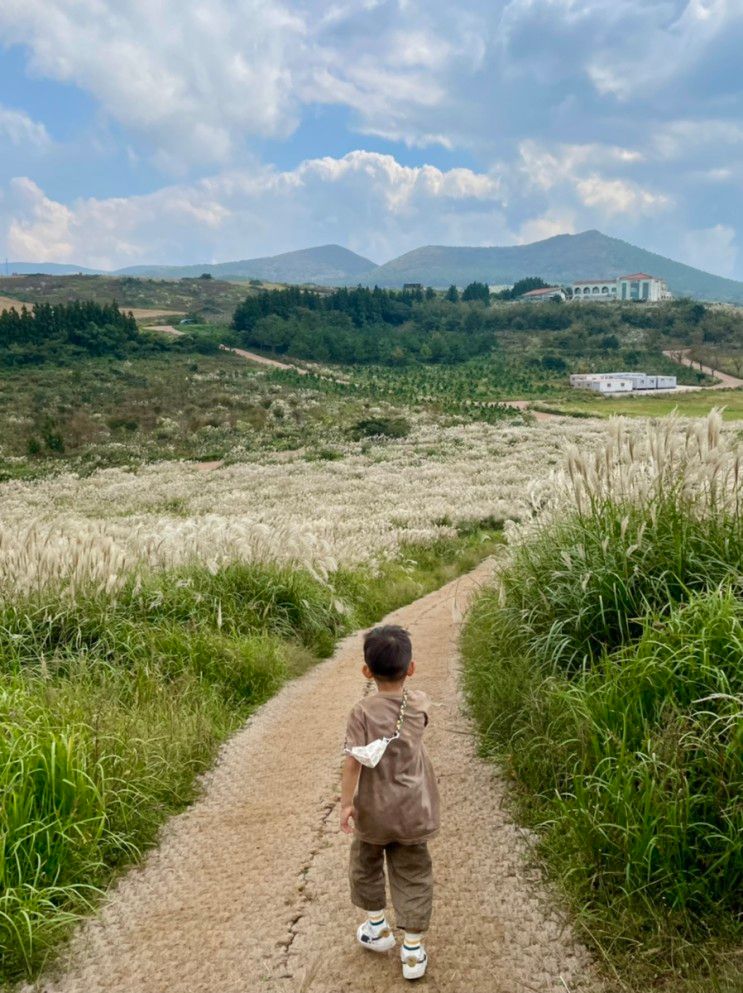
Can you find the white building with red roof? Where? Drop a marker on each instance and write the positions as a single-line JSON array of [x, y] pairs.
[[637, 286], [543, 295], [641, 286]]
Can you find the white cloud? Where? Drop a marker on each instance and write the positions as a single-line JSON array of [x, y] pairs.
[[546, 167], [195, 80], [19, 130], [552, 223], [681, 139], [663, 46], [569, 175], [617, 196], [188, 77], [369, 201], [712, 249], [39, 228], [625, 48]]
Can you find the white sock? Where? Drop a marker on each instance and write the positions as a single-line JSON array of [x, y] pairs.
[[376, 918], [412, 942]]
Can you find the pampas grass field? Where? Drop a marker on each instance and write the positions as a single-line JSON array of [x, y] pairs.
[[605, 670]]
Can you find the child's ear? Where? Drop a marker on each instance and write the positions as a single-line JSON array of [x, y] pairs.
[[366, 672], [411, 668]]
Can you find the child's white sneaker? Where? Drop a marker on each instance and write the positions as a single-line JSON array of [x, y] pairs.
[[376, 939], [414, 962]]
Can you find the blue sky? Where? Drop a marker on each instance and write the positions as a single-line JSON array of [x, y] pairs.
[[181, 131]]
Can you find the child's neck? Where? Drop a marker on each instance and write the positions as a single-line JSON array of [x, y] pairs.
[[385, 687]]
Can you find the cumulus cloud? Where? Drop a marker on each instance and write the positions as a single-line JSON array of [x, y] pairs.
[[572, 172], [19, 130], [616, 196], [194, 80], [625, 48], [383, 205], [366, 200], [608, 113]]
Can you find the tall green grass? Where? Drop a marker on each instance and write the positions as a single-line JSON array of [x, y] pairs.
[[110, 708], [606, 672]]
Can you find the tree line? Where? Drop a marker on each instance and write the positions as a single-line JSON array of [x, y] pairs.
[[389, 327], [63, 332]]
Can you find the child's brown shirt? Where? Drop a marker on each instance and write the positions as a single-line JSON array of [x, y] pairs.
[[397, 800]]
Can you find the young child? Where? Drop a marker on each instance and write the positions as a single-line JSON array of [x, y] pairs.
[[394, 805]]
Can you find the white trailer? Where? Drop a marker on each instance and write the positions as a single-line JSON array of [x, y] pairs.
[[666, 383], [610, 385], [640, 380]]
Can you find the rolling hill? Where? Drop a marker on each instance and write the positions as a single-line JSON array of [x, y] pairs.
[[324, 264], [589, 255], [561, 259], [45, 269]]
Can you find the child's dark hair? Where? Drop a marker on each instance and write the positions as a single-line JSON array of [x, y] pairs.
[[388, 651]]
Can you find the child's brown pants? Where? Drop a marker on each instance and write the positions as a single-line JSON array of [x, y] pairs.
[[411, 881]]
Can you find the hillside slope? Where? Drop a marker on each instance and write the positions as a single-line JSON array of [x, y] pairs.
[[560, 259], [324, 264], [46, 268]]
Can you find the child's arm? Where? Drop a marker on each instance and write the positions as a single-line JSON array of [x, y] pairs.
[[349, 782]]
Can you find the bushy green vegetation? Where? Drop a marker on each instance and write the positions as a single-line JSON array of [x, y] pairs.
[[387, 327], [103, 412], [522, 286], [606, 671], [111, 707], [519, 369], [214, 299], [65, 331]]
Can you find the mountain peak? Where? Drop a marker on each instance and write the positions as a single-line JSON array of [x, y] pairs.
[[559, 259]]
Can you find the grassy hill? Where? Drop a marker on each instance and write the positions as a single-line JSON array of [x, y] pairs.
[[215, 299], [560, 259], [324, 264], [48, 268]]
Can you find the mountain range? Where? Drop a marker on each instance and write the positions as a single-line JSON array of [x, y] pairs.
[[561, 259]]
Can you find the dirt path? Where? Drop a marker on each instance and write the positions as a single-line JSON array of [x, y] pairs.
[[724, 380], [248, 891], [262, 360], [538, 415]]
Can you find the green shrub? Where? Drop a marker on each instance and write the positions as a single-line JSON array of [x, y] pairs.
[[381, 427], [606, 672], [111, 707], [652, 758]]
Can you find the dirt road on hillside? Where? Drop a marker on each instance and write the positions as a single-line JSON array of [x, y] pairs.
[[247, 891], [724, 380], [263, 360]]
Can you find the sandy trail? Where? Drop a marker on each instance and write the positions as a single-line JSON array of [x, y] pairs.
[[247, 890], [263, 360]]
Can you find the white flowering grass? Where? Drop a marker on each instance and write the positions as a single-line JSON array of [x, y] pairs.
[[606, 669], [285, 510]]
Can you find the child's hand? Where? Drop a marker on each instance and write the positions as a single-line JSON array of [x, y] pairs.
[[347, 814]]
